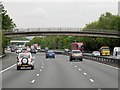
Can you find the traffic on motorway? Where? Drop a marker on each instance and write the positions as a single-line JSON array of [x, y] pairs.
[[59, 44], [47, 69], [25, 57]]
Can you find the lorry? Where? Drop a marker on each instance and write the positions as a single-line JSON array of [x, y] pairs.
[[116, 52], [78, 46]]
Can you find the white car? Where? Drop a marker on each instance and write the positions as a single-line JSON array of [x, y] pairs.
[[18, 50], [25, 60], [66, 50], [96, 53]]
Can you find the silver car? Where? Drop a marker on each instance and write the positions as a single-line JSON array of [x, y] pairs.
[[96, 53], [76, 55]]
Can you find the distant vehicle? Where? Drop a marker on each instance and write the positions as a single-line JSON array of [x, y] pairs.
[[76, 55], [66, 50], [25, 60], [33, 51], [116, 52], [46, 49], [18, 50], [13, 49], [78, 46], [8, 48], [105, 51], [50, 54], [96, 53], [28, 49], [38, 48]]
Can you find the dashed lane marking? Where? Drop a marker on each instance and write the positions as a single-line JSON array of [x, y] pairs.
[[75, 66], [33, 81], [40, 70], [80, 69], [92, 80], [38, 75], [85, 73]]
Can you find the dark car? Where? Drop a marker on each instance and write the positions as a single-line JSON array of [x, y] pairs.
[[33, 51], [50, 54], [13, 49]]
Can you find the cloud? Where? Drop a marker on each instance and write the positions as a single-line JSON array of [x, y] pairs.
[[38, 12]]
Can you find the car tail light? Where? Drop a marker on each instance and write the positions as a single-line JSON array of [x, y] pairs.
[[81, 55]]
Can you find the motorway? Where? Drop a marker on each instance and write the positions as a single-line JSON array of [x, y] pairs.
[[58, 73]]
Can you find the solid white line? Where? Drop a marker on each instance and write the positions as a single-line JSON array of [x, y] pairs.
[[33, 81], [92, 80], [105, 65], [8, 68]]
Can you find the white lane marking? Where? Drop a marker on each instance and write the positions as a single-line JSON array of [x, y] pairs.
[[75, 66], [71, 63], [80, 69], [92, 80], [38, 75], [8, 68], [40, 70], [42, 67], [85, 73], [33, 81], [103, 64]]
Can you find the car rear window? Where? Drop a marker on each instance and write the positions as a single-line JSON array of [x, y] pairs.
[[24, 56], [76, 51], [50, 51]]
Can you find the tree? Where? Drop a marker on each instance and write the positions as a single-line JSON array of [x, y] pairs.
[[6, 23]]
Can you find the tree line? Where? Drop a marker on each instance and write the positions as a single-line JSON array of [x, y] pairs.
[[106, 21]]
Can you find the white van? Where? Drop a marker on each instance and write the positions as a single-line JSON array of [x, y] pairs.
[[116, 52]]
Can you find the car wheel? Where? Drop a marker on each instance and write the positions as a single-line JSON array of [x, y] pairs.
[[18, 67], [32, 67], [70, 58], [81, 60]]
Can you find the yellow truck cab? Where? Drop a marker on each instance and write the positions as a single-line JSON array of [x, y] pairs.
[[105, 51]]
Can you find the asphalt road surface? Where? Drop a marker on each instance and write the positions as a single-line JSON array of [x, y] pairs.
[[58, 73]]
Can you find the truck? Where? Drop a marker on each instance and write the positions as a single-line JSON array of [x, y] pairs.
[[78, 46], [116, 52]]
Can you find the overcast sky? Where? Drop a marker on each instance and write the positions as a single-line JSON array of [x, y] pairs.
[[58, 14]]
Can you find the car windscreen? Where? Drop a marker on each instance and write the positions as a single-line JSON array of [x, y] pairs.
[[106, 49], [24, 56]]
